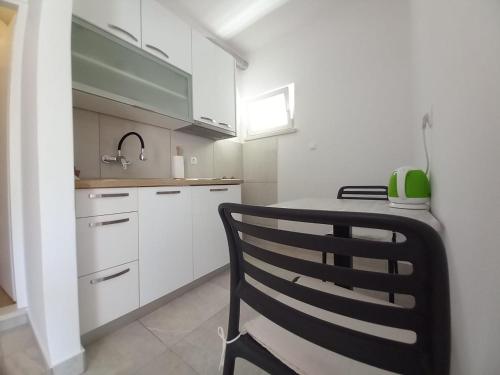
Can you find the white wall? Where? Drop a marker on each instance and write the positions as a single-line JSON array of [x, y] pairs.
[[351, 70], [6, 259], [457, 72], [48, 186]]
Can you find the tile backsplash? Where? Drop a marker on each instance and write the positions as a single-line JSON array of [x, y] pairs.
[[97, 134]]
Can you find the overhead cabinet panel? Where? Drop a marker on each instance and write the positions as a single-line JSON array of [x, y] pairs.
[[214, 105], [106, 67], [165, 35], [121, 18]]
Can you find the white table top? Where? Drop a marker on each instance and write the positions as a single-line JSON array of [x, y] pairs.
[[356, 205]]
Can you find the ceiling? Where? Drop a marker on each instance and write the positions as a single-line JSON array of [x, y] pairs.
[[247, 25]]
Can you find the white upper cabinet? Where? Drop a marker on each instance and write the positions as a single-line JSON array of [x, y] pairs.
[[213, 84], [165, 35], [119, 17]]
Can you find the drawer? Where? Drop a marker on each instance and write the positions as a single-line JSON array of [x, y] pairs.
[[107, 295], [92, 202], [106, 241]]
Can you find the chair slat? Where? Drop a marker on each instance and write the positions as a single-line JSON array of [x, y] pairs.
[[373, 350], [392, 316], [346, 276], [330, 244]]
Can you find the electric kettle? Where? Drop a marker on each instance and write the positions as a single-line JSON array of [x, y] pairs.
[[409, 188]]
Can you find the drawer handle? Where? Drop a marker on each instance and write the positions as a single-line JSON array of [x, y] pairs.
[[224, 124], [156, 49], [123, 31], [111, 222], [168, 192], [220, 189], [208, 119], [113, 195], [106, 278]]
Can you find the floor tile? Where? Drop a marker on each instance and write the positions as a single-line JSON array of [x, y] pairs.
[[202, 348], [16, 340], [223, 280], [179, 317], [167, 363], [124, 351], [23, 362]]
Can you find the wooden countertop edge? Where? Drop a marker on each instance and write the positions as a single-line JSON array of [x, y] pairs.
[[123, 183]]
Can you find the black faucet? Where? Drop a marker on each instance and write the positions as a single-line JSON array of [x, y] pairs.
[[141, 156], [120, 158]]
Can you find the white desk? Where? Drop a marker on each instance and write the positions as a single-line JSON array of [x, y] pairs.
[[357, 205]]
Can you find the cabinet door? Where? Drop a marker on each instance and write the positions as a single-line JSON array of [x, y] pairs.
[[224, 89], [165, 35], [107, 295], [213, 84], [210, 250], [119, 17], [204, 62], [165, 241]]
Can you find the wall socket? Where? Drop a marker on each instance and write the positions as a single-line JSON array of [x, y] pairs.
[[194, 160]]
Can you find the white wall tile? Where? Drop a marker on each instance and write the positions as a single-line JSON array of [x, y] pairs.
[[157, 149], [228, 159], [86, 143]]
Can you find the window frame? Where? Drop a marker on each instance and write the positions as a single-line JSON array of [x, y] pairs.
[[288, 91]]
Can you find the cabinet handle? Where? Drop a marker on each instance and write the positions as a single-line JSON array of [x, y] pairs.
[[224, 124], [106, 278], [208, 119], [219, 189], [123, 31], [111, 195], [111, 222], [168, 192], [156, 49]]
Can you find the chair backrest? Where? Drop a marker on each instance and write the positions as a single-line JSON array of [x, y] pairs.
[[370, 192], [429, 318]]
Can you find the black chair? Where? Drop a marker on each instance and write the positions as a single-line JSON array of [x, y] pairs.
[[429, 319]]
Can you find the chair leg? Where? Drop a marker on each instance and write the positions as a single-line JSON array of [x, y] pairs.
[[391, 264], [229, 362]]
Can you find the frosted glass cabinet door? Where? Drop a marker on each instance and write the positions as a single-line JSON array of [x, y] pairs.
[[165, 35], [122, 18]]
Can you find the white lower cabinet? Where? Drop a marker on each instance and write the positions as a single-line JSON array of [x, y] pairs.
[[210, 250], [106, 241], [165, 241], [107, 295], [137, 245]]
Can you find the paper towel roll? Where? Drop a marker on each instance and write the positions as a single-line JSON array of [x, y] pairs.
[[178, 166]]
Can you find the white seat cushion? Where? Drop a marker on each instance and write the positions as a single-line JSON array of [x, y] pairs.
[[307, 358], [372, 234]]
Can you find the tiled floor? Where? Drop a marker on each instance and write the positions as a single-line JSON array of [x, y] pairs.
[[178, 338], [19, 353]]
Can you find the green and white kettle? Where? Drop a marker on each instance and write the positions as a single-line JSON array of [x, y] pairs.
[[409, 188]]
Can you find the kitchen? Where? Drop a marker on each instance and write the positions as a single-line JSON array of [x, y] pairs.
[[131, 121]]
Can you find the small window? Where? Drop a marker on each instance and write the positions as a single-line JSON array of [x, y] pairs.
[[270, 113]]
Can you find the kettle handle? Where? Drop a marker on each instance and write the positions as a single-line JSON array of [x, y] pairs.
[[401, 181]]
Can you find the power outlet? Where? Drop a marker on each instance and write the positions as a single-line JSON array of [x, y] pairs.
[[194, 160]]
